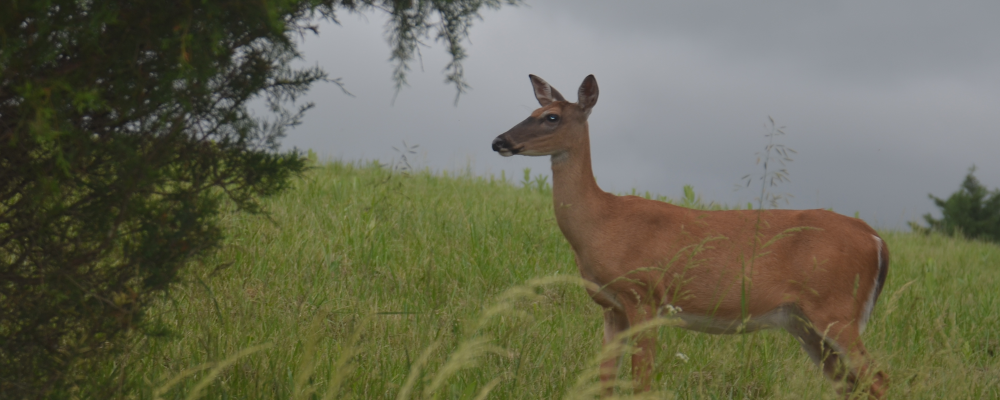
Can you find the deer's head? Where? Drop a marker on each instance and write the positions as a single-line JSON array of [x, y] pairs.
[[554, 128]]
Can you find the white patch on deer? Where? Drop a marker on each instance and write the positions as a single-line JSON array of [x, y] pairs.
[[560, 157], [870, 303], [781, 317]]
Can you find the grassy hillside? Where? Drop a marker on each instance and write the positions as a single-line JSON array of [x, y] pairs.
[[371, 285]]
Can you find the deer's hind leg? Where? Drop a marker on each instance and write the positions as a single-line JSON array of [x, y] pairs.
[[838, 350]]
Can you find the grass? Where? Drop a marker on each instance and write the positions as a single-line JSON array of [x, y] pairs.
[[370, 284]]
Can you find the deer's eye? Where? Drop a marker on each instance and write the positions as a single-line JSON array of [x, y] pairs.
[[552, 118]]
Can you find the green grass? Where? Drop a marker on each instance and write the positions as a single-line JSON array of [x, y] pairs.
[[366, 284]]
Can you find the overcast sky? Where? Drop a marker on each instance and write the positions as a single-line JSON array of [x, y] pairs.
[[884, 101]]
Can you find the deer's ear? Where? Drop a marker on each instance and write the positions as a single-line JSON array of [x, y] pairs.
[[587, 94], [544, 92]]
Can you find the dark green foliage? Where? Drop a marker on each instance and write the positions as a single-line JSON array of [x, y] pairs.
[[973, 211], [124, 125]]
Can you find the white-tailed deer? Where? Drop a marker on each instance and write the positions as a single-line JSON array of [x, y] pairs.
[[814, 273]]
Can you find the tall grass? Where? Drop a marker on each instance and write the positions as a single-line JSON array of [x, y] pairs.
[[372, 284]]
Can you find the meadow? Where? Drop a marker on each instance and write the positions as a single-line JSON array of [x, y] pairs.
[[368, 282]]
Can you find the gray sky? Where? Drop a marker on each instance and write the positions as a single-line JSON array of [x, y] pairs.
[[884, 102]]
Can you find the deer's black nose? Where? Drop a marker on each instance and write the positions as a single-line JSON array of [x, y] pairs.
[[498, 143]]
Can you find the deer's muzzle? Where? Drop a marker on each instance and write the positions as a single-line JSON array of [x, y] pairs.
[[502, 145]]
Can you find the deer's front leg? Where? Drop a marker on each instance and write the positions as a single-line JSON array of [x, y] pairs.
[[615, 322], [644, 354]]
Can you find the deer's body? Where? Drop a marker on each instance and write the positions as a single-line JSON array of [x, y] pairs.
[[814, 273]]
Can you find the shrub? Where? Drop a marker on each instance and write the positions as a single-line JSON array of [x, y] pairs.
[[973, 211], [124, 126]]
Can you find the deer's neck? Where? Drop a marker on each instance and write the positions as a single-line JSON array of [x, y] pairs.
[[579, 202]]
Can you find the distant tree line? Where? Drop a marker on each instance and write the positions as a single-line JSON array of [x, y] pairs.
[[972, 212]]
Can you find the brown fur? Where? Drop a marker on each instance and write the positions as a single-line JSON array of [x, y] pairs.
[[818, 266]]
